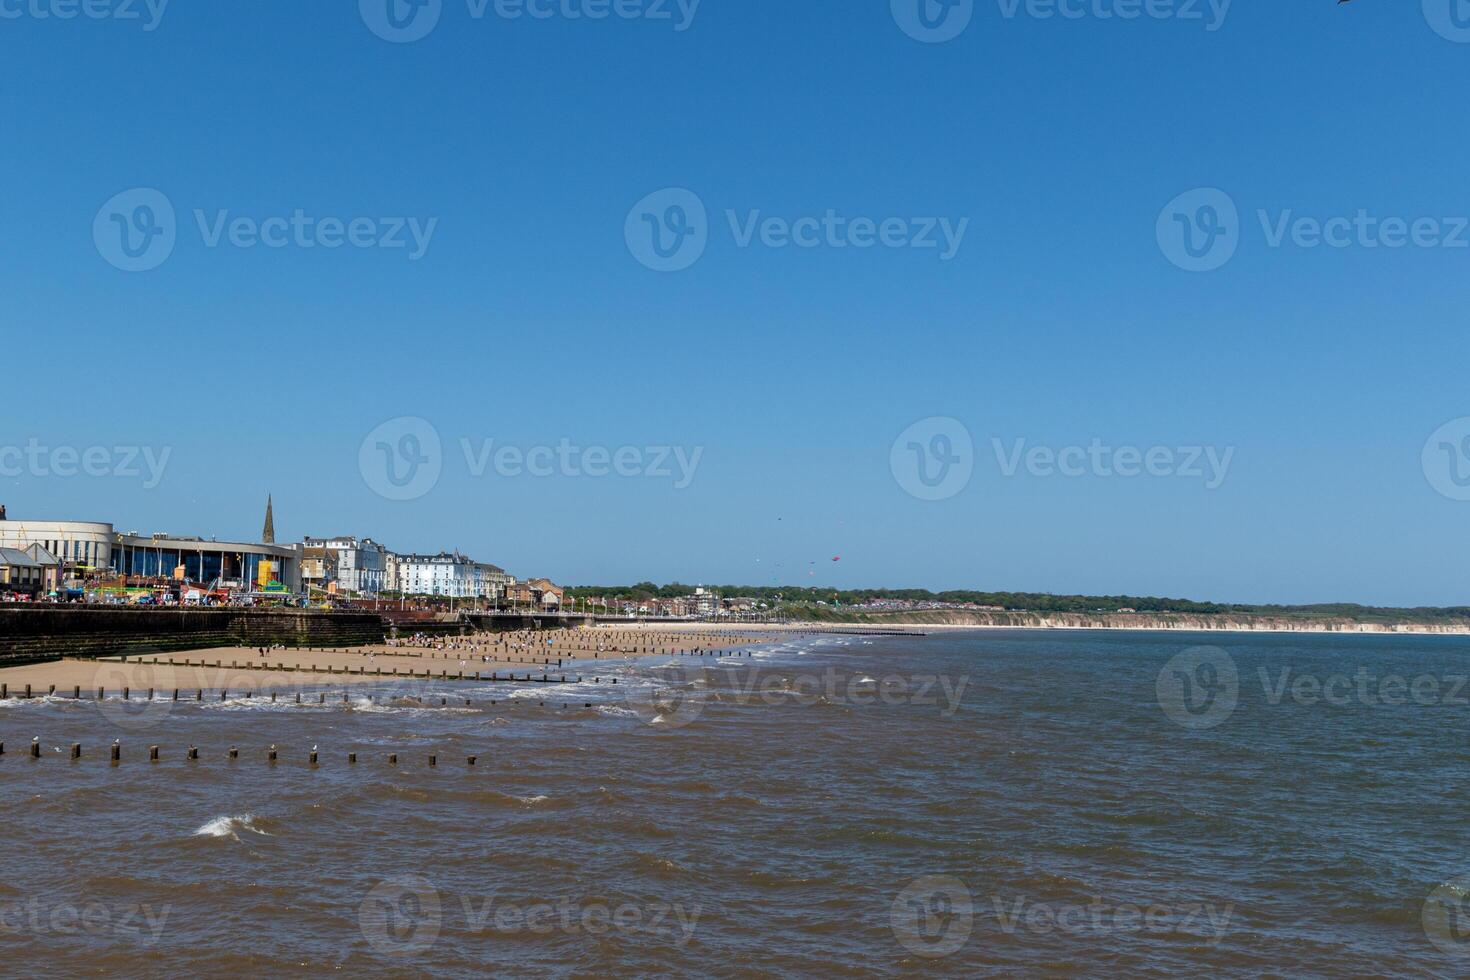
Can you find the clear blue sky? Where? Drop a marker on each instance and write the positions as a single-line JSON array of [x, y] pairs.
[[527, 320]]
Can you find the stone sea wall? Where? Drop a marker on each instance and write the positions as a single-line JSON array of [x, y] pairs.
[[40, 632]]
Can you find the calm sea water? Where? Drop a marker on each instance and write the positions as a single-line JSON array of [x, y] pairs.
[[985, 803]]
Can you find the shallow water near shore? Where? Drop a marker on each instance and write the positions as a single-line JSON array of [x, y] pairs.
[[989, 803]]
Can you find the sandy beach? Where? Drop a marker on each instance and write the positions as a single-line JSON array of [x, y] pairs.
[[524, 654]]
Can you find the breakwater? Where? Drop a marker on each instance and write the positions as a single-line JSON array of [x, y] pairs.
[[30, 633]]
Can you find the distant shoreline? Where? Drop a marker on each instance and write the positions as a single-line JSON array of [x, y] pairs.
[[1139, 622]]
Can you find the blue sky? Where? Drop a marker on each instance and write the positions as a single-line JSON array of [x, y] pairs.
[[529, 319]]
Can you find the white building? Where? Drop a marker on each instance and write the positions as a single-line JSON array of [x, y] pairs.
[[442, 574], [78, 544], [450, 574], [362, 566]]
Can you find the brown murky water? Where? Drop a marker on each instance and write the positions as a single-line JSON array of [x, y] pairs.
[[989, 803]]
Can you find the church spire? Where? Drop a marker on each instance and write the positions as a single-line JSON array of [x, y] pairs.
[[268, 536]]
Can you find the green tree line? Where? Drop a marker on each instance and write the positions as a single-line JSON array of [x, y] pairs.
[[1018, 601]]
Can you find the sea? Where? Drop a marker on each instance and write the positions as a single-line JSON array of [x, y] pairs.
[[963, 803]]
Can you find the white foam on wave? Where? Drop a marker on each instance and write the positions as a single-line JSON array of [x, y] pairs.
[[40, 700], [228, 826]]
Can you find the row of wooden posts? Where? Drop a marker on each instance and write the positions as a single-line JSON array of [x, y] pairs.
[[272, 754], [224, 695]]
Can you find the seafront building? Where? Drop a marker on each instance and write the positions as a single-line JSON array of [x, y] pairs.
[[88, 548], [357, 566], [450, 574], [19, 572], [53, 555]]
